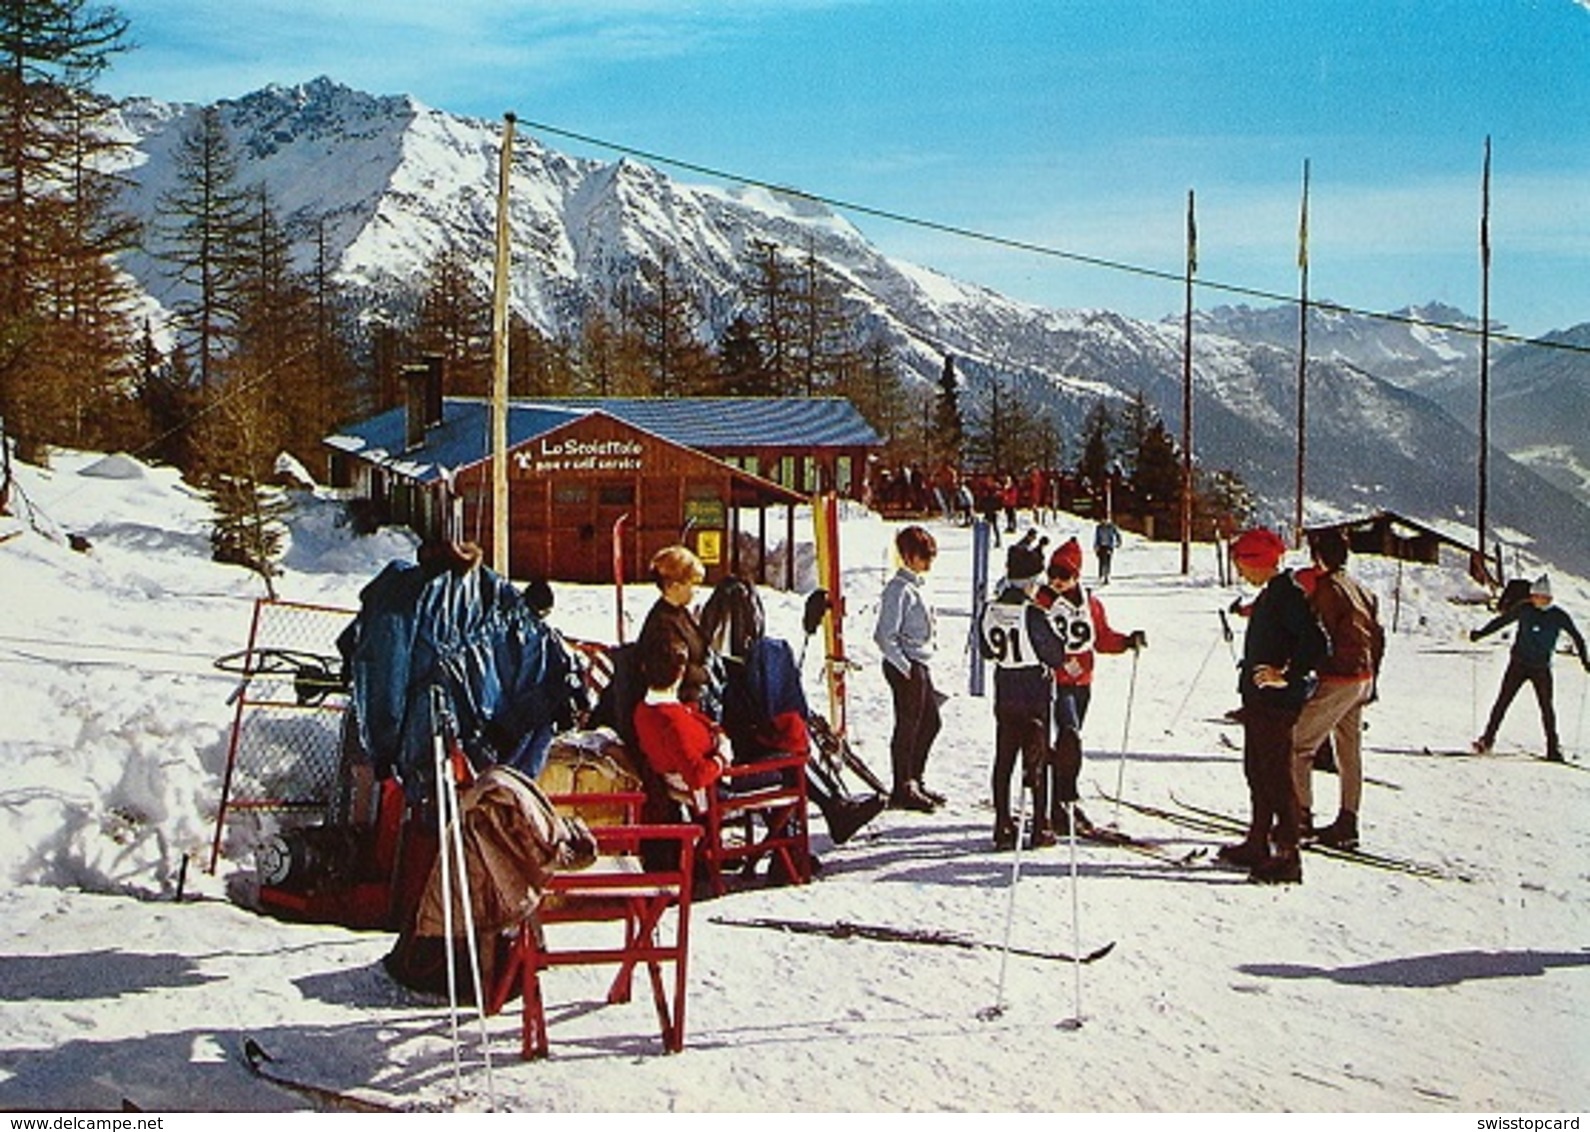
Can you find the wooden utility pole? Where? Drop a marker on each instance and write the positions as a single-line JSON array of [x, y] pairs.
[[1187, 394], [1485, 346], [499, 362], [1302, 362]]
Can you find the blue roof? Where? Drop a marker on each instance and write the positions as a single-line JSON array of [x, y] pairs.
[[742, 422], [462, 439], [464, 436]]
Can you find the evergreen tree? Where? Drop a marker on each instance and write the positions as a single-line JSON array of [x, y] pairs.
[[770, 287], [1098, 443], [203, 222], [1138, 419], [948, 433], [454, 321], [741, 371], [668, 318], [1156, 478], [66, 339], [1222, 501]]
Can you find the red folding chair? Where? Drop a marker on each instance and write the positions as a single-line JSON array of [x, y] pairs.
[[617, 889]]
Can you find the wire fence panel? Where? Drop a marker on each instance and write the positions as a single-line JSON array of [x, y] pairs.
[[286, 750]]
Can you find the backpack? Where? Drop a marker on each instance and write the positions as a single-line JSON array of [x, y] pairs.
[[733, 619]]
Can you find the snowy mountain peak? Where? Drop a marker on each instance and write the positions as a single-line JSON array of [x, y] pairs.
[[394, 182]]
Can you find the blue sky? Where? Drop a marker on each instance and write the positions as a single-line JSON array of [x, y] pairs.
[[1077, 125]]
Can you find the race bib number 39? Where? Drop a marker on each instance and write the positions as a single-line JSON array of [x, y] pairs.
[[1074, 625]]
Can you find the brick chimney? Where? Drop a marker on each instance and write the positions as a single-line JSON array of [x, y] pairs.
[[422, 399]]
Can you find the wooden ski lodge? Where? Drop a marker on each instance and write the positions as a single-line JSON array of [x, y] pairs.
[[595, 484]]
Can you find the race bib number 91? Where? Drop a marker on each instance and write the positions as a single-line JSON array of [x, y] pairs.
[[1004, 636]]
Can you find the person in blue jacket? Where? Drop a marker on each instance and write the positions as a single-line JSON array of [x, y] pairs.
[[1539, 625], [904, 634]]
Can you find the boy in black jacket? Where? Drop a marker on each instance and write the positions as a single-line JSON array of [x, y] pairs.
[[1280, 652], [1016, 635]]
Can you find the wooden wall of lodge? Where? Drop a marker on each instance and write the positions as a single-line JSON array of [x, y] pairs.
[[562, 513]]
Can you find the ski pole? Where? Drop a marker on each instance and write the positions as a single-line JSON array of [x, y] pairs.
[[1197, 676], [471, 944], [1578, 727], [989, 1013], [1075, 1021], [439, 799], [1126, 731]]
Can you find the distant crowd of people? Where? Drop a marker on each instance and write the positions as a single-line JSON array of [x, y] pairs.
[[1000, 498]]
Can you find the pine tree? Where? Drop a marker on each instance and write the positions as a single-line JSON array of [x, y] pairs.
[[66, 340], [770, 287], [668, 318], [454, 321], [1156, 477], [947, 438], [741, 371], [1098, 444], [202, 223]]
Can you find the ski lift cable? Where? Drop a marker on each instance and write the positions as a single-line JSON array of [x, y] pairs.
[[1043, 249]]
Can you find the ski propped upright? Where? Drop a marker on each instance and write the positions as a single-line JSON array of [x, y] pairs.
[[825, 517]]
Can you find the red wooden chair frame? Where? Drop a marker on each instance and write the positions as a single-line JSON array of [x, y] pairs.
[[616, 889], [783, 837]]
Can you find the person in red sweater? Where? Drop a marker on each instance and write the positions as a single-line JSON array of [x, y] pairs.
[[685, 748], [1078, 616]]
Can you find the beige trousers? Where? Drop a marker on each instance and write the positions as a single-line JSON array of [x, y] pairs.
[[1335, 709]]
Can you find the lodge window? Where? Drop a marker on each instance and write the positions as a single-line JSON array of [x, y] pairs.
[[786, 471], [811, 475], [842, 475], [616, 495]]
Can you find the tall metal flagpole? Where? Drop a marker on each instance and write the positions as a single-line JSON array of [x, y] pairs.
[[1186, 393], [499, 362], [1485, 345], [1302, 361]]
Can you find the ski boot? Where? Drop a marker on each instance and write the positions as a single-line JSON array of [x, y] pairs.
[[1341, 833], [1285, 867]]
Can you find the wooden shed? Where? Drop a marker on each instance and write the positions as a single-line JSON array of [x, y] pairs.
[[588, 491], [1395, 536]]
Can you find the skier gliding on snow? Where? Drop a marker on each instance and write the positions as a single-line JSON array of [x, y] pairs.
[[1539, 624]]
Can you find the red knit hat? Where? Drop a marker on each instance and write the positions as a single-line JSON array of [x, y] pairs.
[[1066, 561], [1258, 546]]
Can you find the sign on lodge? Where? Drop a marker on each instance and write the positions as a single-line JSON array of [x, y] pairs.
[[589, 490]]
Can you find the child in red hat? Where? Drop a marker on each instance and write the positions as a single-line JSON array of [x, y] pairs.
[[1280, 652], [1079, 618]]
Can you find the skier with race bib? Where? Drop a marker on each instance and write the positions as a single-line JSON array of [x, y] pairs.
[[1017, 638], [1079, 619]]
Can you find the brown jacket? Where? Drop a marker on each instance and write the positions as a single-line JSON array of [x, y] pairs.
[[1350, 616], [514, 841]]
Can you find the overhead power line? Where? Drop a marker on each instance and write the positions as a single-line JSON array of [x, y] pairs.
[[1034, 248]]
